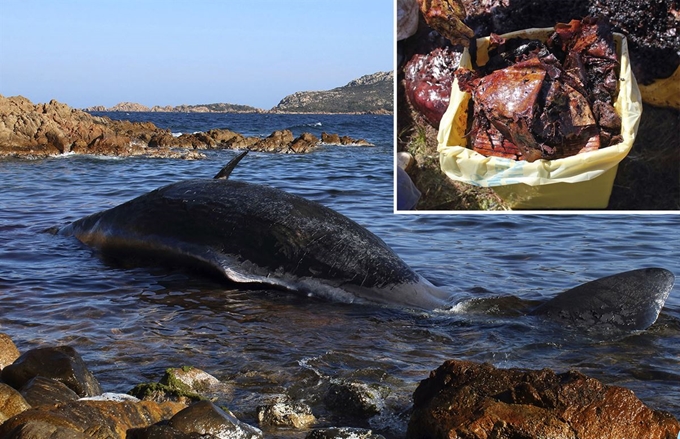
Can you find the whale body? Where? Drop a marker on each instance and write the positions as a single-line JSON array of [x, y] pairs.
[[256, 234]]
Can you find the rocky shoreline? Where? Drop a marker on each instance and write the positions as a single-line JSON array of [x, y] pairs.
[[30, 130], [50, 392]]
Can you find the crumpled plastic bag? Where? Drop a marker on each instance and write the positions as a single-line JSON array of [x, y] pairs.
[[663, 92], [463, 164]]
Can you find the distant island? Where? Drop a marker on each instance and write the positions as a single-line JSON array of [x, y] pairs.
[[369, 94]]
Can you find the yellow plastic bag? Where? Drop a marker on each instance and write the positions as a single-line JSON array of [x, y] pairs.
[[580, 181], [663, 92]]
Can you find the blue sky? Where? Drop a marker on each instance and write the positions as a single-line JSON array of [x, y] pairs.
[[101, 52]]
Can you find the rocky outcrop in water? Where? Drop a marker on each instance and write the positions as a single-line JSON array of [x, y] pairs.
[[368, 94], [43, 130], [471, 400], [460, 399]]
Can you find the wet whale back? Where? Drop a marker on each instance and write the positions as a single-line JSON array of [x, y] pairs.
[[251, 233]]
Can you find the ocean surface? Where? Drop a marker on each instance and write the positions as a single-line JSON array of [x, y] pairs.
[[130, 324]]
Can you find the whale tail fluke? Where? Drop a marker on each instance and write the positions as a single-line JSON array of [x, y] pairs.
[[629, 301], [226, 171]]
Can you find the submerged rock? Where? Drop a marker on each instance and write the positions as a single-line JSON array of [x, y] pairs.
[[472, 400], [285, 413], [355, 399]]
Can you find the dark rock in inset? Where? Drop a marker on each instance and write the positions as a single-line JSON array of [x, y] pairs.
[[206, 418], [472, 400], [47, 391], [61, 363]]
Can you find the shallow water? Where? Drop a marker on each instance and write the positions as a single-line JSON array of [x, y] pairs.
[[132, 323]]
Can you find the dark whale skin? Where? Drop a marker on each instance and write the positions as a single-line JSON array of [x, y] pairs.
[[256, 233]]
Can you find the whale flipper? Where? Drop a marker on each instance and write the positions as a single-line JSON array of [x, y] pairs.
[[629, 301], [226, 171]]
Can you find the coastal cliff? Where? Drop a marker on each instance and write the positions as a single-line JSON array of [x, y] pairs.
[[368, 94]]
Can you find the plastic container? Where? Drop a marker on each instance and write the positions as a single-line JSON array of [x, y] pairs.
[[582, 181]]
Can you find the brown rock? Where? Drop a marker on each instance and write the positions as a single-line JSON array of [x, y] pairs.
[[62, 363], [472, 400], [47, 391], [95, 419], [206, 418], [8, 351], [331, 139], [11, 402], [277, 141], [304, 143], [224, 137]]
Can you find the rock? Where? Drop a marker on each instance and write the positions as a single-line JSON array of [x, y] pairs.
[[335, 139], [129, 107], [205, 417], [330, 139], [224, 137], [275, 142], [41, 430], [472, 400], [343, 433], [195, 380], [62, 363], [46, 391], [11, 402], [407, 18], [162, 431], [355, 399], [286, 413], [186, 385], [192, 378], [304, 143], [93, 419], [44, 130], [8, 351]]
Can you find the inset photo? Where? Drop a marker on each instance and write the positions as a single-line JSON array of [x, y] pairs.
[[505, 106]]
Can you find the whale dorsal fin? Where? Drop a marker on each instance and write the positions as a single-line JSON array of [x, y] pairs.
[[629, 301], [226, 171]]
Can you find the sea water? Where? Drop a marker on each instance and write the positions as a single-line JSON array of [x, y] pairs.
[[131, 323]]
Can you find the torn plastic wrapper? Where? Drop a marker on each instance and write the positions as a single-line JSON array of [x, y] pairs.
[[584, 180]]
